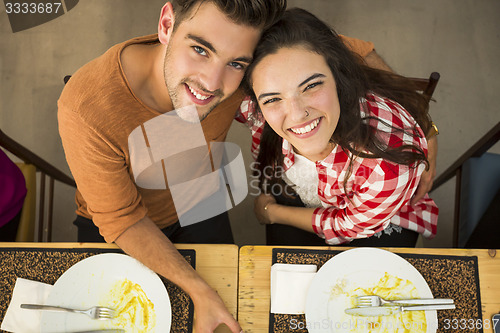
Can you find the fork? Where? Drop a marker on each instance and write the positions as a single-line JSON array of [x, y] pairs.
[[96, 312], [373, 300]]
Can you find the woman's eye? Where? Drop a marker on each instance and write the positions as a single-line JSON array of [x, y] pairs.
[[200, 50], [271, 100], [312, 85]]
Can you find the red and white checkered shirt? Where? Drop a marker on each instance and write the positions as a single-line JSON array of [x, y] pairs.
[[378, 191]]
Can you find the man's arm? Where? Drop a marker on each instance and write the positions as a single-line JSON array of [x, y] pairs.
[[145, 242], [427, 178], [375, 61]]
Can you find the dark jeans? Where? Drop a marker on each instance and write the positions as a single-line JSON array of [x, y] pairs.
[[278, 234], [9, 231], [216, 230]]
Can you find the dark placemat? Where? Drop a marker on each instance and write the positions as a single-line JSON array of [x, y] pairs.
[[453, 277], [47, 265]]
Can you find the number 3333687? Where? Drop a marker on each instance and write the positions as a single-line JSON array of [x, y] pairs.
[[32, 7], [464, 324]]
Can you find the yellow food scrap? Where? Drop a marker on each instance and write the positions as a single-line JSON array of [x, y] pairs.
[[388, 287], [134, 311]]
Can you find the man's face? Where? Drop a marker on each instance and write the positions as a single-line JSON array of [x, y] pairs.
[[206, 58]]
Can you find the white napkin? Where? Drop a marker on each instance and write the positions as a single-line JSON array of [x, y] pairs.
[[21, 320], [289, 285]]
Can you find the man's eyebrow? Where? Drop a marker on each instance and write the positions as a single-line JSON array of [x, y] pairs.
[[203, 42], [247, 60], [312, 77], [208, 45]]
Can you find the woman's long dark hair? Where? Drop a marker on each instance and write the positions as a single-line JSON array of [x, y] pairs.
[[353, 80]]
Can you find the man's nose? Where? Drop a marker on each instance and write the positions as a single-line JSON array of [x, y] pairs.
[[212, 77]]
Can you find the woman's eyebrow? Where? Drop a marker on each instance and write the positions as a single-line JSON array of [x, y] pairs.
[[312, 77], [261, 96]]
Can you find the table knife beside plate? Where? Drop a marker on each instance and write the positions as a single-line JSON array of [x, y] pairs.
[[102, 331], [375, 311]]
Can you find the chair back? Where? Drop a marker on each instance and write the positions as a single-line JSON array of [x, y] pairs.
[[426, 86], [27, 225]]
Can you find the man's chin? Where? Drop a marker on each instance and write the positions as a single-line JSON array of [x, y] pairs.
[[188, 113], [192, 113]]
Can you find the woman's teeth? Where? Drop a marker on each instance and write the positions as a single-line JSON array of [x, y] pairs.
[[306, 129], [197, 95]]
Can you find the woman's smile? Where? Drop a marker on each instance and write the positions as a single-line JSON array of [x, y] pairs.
[[306, 130]]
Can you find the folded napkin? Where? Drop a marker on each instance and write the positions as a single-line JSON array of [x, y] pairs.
[[289, 286], [21, 320]]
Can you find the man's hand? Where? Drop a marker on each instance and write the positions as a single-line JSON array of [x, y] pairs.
[[427, 178], [210, 312], [146, 243]]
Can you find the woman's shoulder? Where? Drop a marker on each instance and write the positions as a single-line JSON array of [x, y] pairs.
[[388, 110], [392, 121]]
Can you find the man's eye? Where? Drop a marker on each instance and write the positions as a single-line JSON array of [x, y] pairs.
[[236, 65], [271, 100], [200, 50], [312, 85]]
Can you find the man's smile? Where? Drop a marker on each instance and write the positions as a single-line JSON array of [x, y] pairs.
[[197, 96]]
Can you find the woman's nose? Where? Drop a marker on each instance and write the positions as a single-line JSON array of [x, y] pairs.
[[296, 109]]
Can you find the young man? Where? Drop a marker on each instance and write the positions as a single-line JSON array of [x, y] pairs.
[[198, 57]]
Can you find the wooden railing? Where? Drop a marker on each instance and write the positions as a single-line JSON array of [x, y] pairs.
[[46, 170], [455, 170]]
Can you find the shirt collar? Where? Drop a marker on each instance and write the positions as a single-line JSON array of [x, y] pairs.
[[337, 155]]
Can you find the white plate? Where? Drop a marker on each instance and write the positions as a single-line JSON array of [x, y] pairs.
[[87, 282], [361, 267]]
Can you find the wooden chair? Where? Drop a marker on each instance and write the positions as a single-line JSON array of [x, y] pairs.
[[26, 229], [33, 163], [427, 86]]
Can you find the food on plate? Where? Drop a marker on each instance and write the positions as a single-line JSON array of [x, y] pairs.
[[134, 311], [388, 287]]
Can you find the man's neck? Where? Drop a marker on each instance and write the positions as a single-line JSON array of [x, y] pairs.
[[143, 68]]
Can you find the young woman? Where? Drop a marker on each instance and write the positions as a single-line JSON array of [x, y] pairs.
[[342, 146]]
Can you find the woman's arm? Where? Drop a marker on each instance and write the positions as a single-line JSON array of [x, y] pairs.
[[374, 60], [380, 192], [270, 212]]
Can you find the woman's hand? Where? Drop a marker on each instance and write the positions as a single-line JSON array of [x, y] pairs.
[[298, 217], [260, 204]]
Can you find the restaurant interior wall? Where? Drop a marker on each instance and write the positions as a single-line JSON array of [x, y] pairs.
[[459, 39]]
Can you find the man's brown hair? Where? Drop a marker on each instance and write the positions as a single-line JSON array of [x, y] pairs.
[[254, 13]]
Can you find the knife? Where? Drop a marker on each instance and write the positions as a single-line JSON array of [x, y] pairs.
[[101, 331], [375, 311]]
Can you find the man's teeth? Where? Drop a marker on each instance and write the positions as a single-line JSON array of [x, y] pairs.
[[306, 129], [200, 97]]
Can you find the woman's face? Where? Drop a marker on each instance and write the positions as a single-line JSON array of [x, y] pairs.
[[297, 94]]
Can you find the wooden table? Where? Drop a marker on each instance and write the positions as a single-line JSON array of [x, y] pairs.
[[255, 268], [216, 264]]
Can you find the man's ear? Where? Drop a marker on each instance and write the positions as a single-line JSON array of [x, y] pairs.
[[166, 23]]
